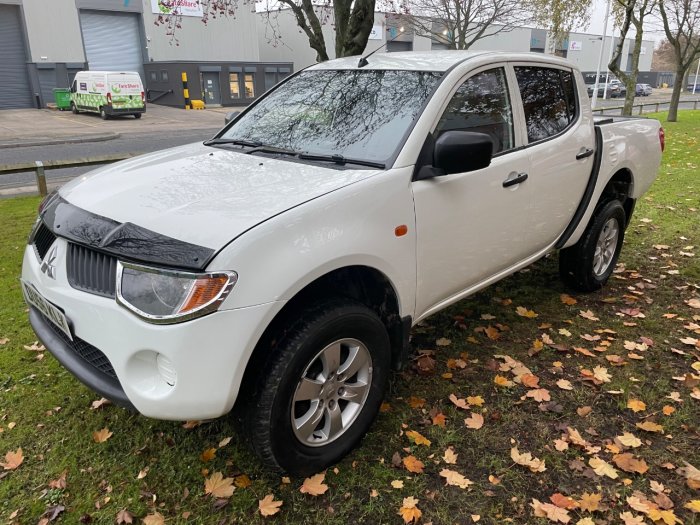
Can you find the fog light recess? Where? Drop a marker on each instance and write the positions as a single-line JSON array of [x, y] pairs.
[[166, 369]]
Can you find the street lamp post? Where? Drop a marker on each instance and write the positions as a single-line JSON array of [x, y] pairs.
[[600, 57], [697, 71]]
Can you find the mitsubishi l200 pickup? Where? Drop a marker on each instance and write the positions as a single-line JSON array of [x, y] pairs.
[[282, 263]]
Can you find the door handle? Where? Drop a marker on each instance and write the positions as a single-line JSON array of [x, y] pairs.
[[512, 181], [585, 153]]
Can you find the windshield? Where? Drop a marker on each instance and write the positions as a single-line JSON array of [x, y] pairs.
[[360, 114]]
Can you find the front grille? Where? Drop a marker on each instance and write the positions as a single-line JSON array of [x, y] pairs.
[[91, 271], [43, 239], [86, 351]]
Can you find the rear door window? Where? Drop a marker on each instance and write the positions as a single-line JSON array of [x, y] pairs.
[[549, 100]]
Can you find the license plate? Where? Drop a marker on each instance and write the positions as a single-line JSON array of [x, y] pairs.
[[51, 312]]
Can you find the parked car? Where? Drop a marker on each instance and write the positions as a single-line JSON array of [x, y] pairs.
[[693, 88], [643, 90], [613, 90], [108, 93], [282, 263], [619, 88]]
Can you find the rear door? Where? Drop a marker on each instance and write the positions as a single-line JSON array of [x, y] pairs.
[[469, 226], [560, 144]]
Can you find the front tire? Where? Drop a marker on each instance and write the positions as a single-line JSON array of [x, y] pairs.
[[73, 109], [321, 389], [587, 265], [103, 114]]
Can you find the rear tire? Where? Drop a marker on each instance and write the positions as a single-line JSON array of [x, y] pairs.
[[587, 265], [320, 389], [73, 109], [137, 115]]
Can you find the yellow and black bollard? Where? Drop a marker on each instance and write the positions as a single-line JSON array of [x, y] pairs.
[[186, 91]]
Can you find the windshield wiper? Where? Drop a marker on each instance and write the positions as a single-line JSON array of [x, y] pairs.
[[272, 149], [237, 142], [339, 159]]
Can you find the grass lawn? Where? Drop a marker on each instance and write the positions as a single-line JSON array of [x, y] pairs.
[[636, 345]]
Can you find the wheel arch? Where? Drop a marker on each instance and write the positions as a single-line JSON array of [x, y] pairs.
[[620, 187], [361, 283]]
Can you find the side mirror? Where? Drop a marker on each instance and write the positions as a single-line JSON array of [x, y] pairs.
[[230, 116], [462, 151]]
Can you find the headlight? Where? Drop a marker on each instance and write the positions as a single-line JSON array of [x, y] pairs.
[[165, 296]]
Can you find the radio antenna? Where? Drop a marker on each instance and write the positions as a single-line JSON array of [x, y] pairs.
[[363, 61]]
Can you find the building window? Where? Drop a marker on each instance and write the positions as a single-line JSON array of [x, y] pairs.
[[154, 76], [234, 85], [249, 85], [163, 75], [270, 79]]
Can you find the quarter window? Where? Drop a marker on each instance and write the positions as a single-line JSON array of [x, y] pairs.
[[549, 100], [482, 105]]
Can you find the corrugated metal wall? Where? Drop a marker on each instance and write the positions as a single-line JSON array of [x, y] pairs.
[[112, 41], [14, 81]]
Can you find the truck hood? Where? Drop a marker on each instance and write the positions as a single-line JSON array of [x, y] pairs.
[[203, 195]]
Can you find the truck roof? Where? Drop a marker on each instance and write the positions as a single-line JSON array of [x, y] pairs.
[[433, 60], [110, 72]]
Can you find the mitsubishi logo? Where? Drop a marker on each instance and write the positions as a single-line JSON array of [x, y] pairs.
[[49, 264]]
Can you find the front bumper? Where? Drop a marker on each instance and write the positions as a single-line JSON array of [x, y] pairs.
[[190, 370]]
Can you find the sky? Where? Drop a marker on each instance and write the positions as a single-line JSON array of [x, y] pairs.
[[652, 28]]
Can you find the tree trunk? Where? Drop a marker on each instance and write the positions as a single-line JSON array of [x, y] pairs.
[[357, 26], [675, 96]]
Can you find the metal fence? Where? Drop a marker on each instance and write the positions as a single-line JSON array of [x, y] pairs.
[[651, 107], [39, 168]]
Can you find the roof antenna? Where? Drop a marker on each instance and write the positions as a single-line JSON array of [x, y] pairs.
[[363, 61]]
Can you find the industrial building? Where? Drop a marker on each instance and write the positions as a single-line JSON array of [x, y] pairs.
[[44, 43], [228, 61]]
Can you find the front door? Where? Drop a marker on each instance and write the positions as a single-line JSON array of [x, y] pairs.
[[210, 88], [469, 225]]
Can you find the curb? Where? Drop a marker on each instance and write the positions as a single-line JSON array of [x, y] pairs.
[[25, 143]]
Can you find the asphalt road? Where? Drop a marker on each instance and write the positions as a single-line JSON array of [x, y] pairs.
[[127, 143]]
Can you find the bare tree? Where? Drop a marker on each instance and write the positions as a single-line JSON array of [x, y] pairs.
[[664, 57], [681, 19], [631, 13], [458, 24], [560, 17], [352, 20]]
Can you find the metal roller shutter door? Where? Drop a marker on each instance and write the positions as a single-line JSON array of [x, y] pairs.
[[14, 81], [112, 41]]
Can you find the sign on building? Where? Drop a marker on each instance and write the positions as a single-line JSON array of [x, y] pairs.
[[575, 45], [177, 7], [376, 33]]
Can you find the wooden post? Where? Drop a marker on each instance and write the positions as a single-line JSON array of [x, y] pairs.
[[40, 178], [641, 108]]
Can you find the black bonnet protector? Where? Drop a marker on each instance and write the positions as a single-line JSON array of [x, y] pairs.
[[125, 240]]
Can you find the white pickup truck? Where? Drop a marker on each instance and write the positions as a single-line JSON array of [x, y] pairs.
[[283, 263]]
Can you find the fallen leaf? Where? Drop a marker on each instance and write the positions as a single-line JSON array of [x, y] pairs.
[[242, 481], [455, 478], [208, 454], [418, 438], [154, 519], [539, 394], [565, 384], [397, 484], [630, 519], [589, 502], [314, 485], [224, 442], [475, 421], [268, 506], [413, 464], [476, 401], [584, 411], [449, 456], [492, 333], [526, 459], [524, 312], [629, 463], [459, 402], [218, 486], [416, 402], [668, 410], [100, 436], [550, 511], [100, 403], [565, 502], [693, 506], [600, 373], [502, 381], [13, 459], [439, 419], [443, 342], [603, 468], [409, 511], [636, 405], [124, 516], [629, 440], [567, 299], [650, 426], [587, 314]]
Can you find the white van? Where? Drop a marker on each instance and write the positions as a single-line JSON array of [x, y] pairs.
[[108, 93]]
